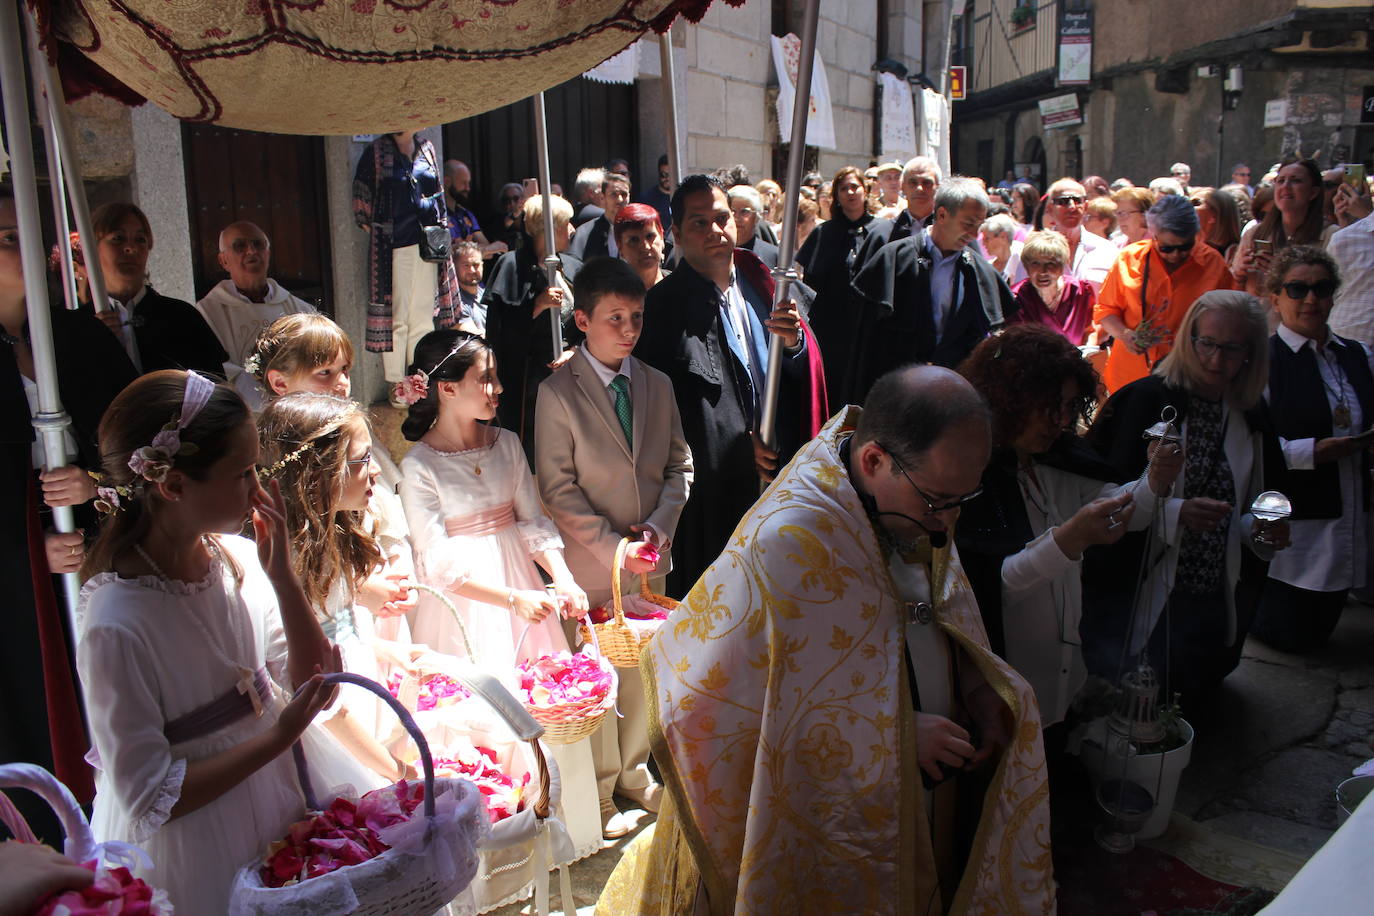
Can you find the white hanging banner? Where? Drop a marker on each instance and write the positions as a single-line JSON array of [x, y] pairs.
[[935, 139], [820, 122], [899, 119], [622, 68]]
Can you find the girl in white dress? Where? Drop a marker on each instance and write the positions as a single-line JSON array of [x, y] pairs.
[[180, 628], [478, 528], [310, 353], [318, 447]]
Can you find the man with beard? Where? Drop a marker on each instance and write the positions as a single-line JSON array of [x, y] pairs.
[[462, 222]]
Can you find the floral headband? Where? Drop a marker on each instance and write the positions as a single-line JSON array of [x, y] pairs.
[[415, 387], [152, 462]]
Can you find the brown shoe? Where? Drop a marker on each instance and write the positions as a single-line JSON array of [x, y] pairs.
[[613, 823], [646, 798]]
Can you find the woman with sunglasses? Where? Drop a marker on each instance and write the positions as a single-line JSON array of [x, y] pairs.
[[1045, 499], [1151, 285], [1321, 396], [1172, 595]]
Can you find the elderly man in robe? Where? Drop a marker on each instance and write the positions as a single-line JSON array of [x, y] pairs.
[[821, 700], [239, 308]]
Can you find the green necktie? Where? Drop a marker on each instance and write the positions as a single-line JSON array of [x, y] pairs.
[[621, 386]]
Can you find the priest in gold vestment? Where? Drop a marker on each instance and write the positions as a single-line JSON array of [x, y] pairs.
[[829, 658]]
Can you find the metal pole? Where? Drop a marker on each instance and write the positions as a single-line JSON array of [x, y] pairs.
[[50, 421], [56, 184], [669, 84], [71, 169], [783, 274], [551, 262]]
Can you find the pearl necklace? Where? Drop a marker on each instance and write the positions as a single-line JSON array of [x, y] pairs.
[[244, 684]]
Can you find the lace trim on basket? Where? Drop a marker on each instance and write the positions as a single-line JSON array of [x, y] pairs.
[[160, 809]]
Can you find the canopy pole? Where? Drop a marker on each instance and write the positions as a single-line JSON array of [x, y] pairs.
[[55, 183], [551, 262], [784, 275], [50, 421], [57, 122], [669, 85]]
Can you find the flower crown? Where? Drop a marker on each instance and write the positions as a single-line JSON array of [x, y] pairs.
[[415, 387], [253, 364], [274, 470], [152, 462]]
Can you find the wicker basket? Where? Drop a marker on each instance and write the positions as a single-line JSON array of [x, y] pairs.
[[620, 642], [571, 722], [392, 883], [80, 845]]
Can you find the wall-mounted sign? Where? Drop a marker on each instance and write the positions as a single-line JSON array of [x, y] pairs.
[[1367, 106], [1275, 112], [1075, 47], [1060, 111], [958, 84]]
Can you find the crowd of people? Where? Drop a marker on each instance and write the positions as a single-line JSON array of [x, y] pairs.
[[961, 522]]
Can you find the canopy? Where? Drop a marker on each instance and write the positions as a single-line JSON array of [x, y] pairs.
[[339, 66]]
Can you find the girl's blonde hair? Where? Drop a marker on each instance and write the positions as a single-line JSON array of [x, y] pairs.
[[130, 423], [297, 343], [1182, 366], [305, 442]]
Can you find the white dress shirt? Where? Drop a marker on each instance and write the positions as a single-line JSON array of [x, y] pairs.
[[1353, 248]]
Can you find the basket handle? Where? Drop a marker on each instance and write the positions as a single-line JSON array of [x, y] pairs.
[[453, 609], [617, 603], [407, 721], [80, 843]]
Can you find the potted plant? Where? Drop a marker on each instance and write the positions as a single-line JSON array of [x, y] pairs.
[[1156, 765], [1022, 17]]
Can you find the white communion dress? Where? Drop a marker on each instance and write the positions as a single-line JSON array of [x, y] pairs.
[[151, 651], [476, 515]]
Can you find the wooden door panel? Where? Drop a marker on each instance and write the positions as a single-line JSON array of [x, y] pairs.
[[273, 180]]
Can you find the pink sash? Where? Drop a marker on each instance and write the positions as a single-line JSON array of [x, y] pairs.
[[488, 521]]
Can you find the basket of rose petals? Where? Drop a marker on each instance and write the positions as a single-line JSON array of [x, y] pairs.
[[630, 622], [407, 848], [568, 693], [505, 796], [115, 890], [433, 690]]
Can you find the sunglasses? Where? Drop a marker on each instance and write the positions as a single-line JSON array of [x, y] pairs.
[[1174, 249], [1066, 199], [1324, 289]]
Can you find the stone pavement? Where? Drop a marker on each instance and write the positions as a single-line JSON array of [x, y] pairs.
[[1288, 729], [1264, 767]]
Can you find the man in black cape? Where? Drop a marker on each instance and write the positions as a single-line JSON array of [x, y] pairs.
[[928, 298], [707, 328]]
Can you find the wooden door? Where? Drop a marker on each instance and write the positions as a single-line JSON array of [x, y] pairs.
[[274, 180], [588, 123]]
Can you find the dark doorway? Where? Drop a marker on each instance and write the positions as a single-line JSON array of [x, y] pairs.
[[588, 123], [274, 180]]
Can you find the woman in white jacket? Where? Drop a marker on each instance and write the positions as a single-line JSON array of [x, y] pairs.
[[1046, 498]]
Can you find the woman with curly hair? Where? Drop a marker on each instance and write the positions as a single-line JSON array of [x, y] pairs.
[[1046, 498]]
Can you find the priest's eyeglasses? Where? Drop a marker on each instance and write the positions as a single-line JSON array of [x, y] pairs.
[[932, 506]]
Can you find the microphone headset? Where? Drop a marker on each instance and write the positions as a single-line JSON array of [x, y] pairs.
[[938, 539]]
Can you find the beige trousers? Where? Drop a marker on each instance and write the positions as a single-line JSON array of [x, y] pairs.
[[414, 285]]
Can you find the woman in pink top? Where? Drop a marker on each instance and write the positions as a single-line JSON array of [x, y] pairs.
[[1046, 296]]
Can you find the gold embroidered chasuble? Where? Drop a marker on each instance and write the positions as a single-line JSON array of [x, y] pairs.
[[781, 719]]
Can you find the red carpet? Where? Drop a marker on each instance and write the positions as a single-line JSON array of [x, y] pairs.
[[1093, 882]]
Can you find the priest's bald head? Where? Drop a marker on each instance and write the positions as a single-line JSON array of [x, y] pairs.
[[919, 449]]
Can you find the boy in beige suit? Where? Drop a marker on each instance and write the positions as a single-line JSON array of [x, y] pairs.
[[612, 463]]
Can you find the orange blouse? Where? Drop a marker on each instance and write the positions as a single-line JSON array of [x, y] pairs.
[[1165, 302]]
